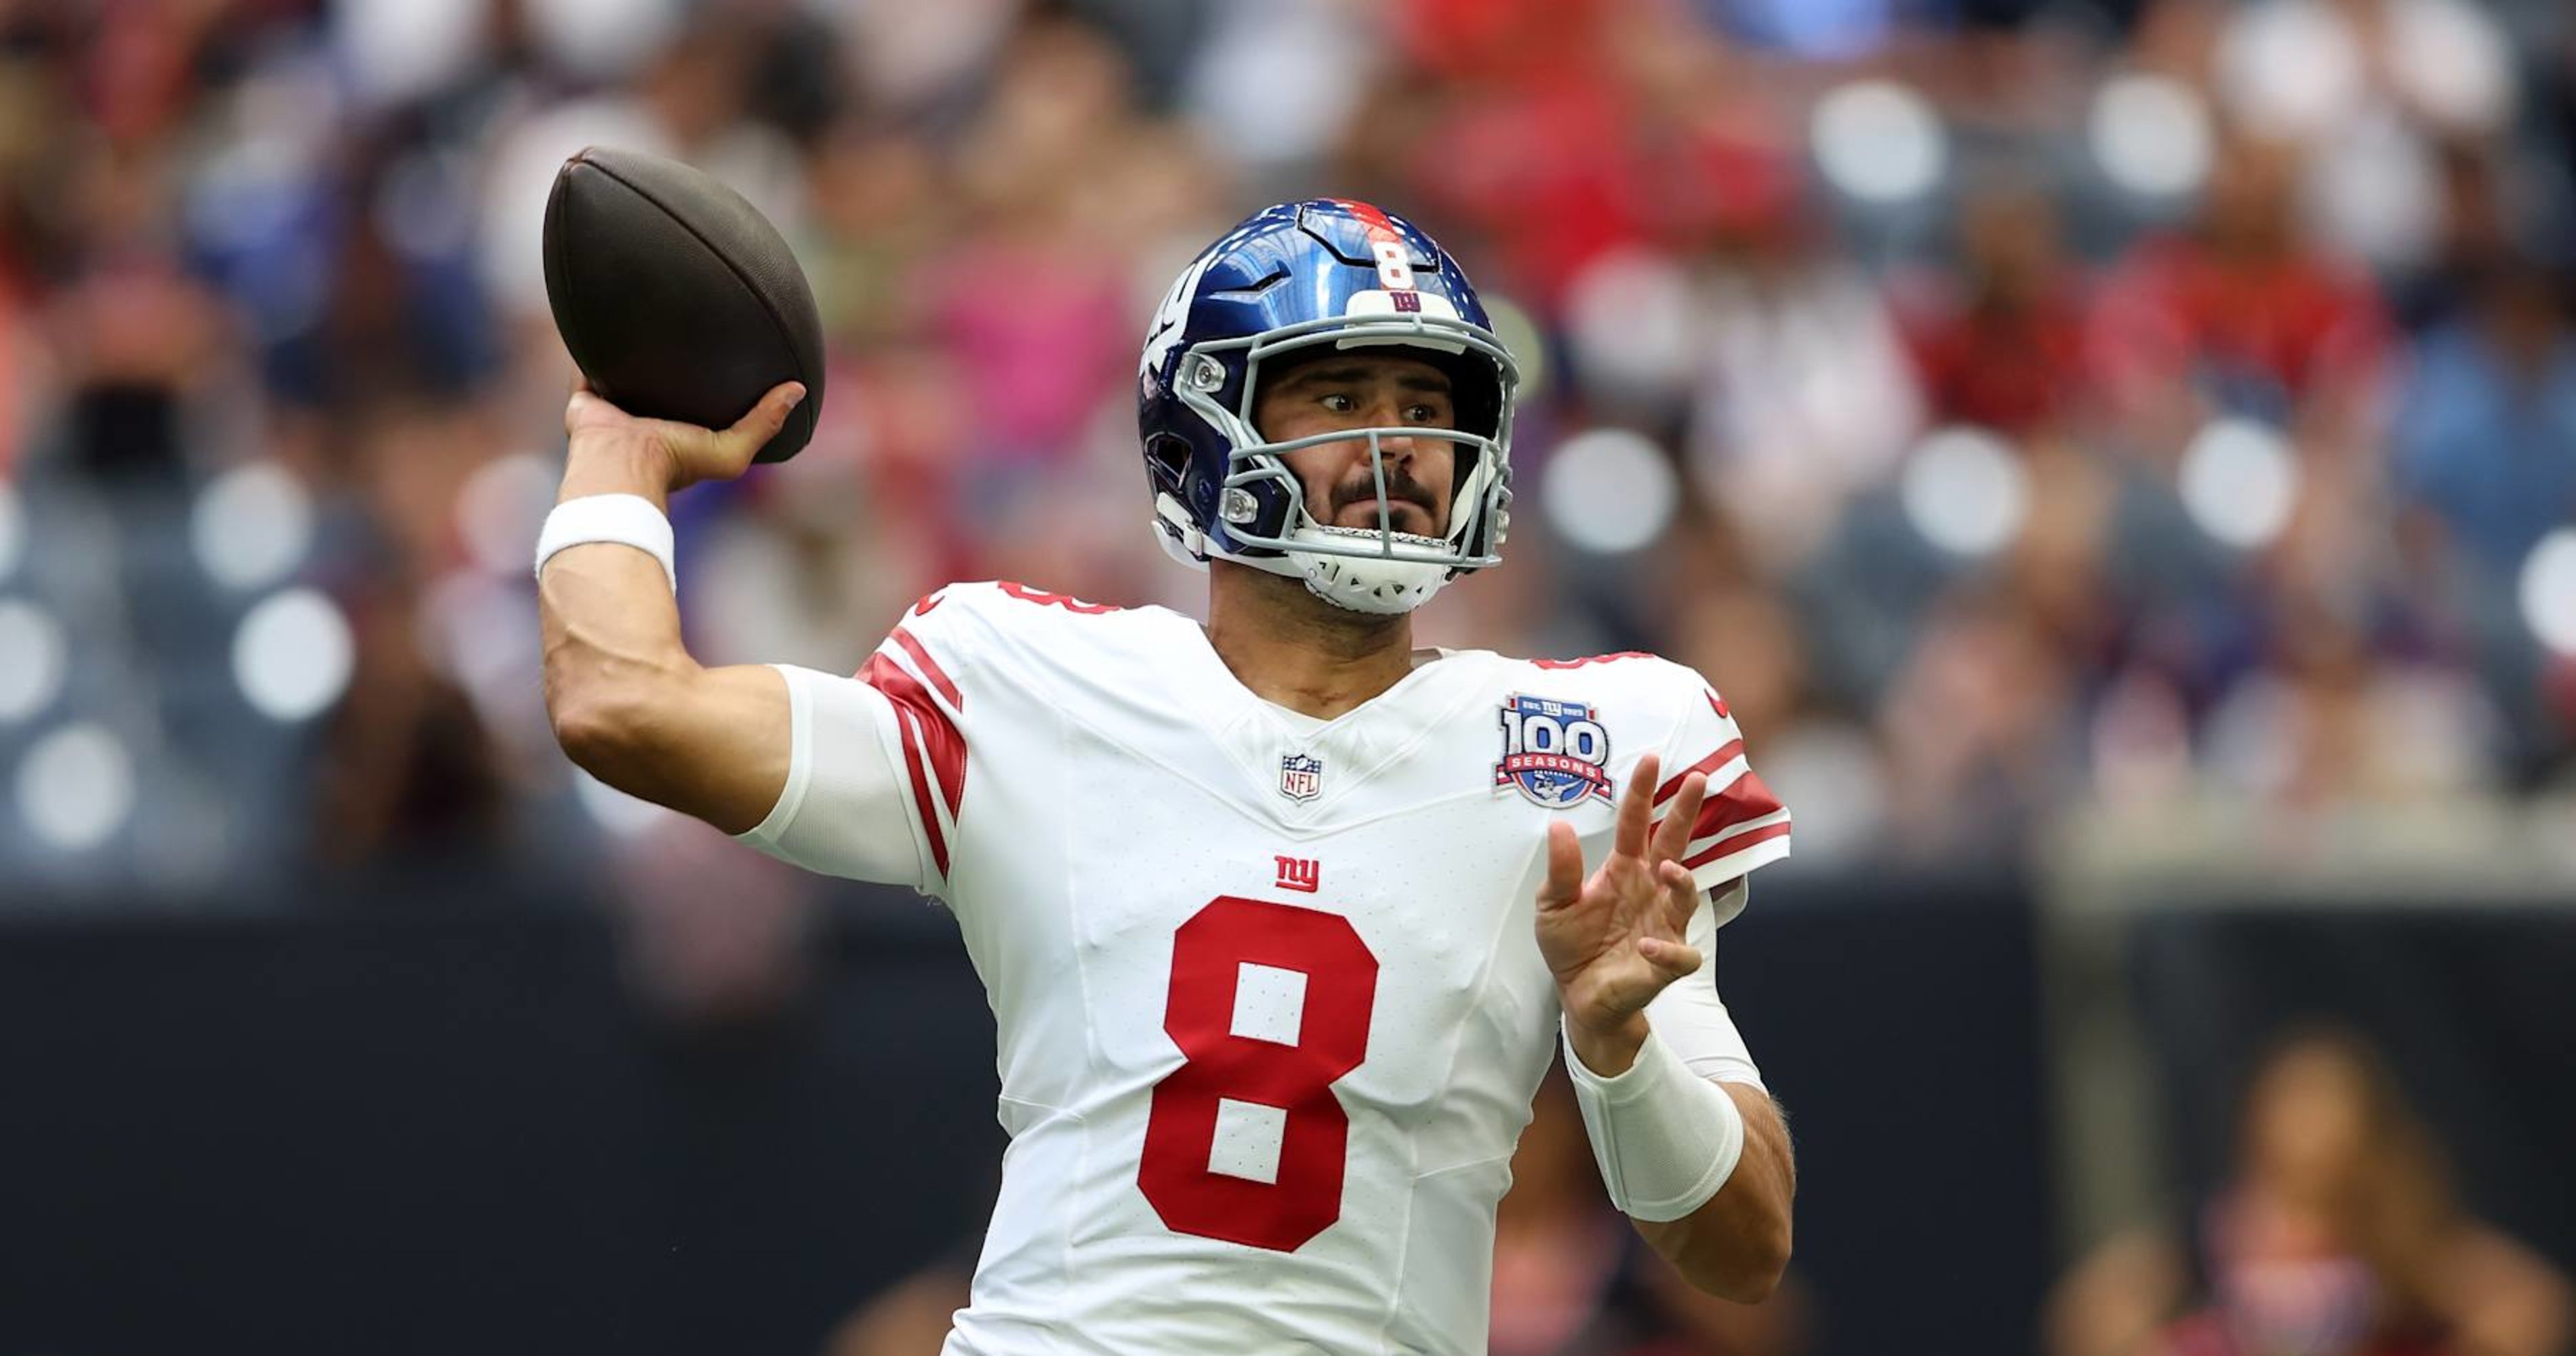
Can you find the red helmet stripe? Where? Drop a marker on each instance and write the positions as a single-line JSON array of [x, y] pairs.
[[1380, 225]]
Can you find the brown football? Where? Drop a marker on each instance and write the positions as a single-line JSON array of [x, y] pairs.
[[676, 297]]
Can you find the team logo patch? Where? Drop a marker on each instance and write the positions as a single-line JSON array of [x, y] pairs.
[[1300, 776], [1555, 752]]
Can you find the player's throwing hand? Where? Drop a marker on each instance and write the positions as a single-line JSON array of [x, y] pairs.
[[678, 455], [1615, 941]]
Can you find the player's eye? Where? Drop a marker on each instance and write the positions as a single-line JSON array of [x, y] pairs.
[[1422, 414], [1339, 403]]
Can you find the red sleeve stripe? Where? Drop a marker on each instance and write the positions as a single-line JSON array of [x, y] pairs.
[[1726, 753], [930, 669], [911, 727], [1738, 843], [933, 750], [940, 738], [1742, 802]]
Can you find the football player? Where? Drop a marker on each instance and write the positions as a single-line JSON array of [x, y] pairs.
[[1281, 918]]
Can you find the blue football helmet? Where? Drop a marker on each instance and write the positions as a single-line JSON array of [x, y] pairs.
[[1293, 278]]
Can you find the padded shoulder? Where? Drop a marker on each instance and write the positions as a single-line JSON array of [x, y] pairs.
[[1635, 678]]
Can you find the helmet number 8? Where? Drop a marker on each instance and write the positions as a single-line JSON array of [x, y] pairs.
[[1304, 1196]]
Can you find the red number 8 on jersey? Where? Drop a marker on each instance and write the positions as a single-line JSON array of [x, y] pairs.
[[1208, 956]]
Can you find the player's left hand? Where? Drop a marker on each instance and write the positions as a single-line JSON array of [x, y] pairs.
[[1614, 941]]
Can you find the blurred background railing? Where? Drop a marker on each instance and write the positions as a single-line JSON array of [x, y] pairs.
[[2117, 457]]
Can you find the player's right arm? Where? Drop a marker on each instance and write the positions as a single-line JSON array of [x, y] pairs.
[[628, 703]]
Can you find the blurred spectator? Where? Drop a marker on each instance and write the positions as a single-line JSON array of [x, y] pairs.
[[2003, 345], [2338, 1236], [1804, 395], [408, 779], [1030, 297], [2241, 313], [2485, 433], [2368, 89], [1974, 728], [1746, 641], [2326, 720]]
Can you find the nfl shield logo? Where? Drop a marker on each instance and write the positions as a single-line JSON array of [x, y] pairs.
[[1300, 776]]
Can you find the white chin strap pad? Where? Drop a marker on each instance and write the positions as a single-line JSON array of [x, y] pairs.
[[1371, 584], [1180, 540]]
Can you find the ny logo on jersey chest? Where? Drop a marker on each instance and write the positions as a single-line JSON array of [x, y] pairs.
[[1303, 874]]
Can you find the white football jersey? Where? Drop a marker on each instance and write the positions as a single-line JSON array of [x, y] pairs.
[[1270, 1007]]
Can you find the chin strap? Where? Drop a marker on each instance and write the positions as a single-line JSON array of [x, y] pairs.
[[1368, 584], [1180, 538], [1373, 585]]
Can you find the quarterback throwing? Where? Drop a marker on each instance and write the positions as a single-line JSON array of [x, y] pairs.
[[1281, 919]]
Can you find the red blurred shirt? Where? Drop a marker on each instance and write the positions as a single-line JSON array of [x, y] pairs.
[[2009, 370], [2174, 306]]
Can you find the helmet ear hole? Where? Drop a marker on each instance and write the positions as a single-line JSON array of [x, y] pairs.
[[1476, 389], [1169, 456]]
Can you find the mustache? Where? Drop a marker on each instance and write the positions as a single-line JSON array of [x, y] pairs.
[[1401, 488]]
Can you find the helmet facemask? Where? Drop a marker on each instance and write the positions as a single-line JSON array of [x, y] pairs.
[[1376, 570]]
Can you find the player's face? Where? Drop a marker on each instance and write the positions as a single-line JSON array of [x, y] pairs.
[[1366, 390]]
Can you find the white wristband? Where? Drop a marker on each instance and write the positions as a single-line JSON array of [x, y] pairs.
[[627, 519], [1666, 1138]]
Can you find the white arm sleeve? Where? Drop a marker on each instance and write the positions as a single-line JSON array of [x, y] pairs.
[[848, 807], [1689, 1017]]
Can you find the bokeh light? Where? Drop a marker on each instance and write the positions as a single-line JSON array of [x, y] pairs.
[[293, 655], [32, 659], [602, 38], [1879, 142], [76, 787], [2290, 68], [1523, 339], [2151, 134], [394, 50], [1631, 326], [13, 530], [1965, 491], [2239, 482], [2452, 62], [251, 526], [1609, 491], [2548, 591]]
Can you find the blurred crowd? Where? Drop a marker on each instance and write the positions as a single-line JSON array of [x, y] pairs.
[[2008, 403], [2339, 1232]]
